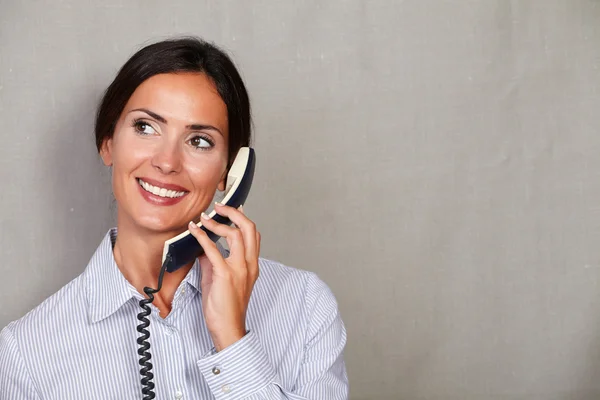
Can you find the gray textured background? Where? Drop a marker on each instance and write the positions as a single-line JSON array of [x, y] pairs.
[[436, 162]]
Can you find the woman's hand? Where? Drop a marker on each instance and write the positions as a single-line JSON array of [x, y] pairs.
[[227, 282]]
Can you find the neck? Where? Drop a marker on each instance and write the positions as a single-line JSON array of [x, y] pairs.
[[138, 254]]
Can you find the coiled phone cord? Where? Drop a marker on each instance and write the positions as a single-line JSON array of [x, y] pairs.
[[144, 344]]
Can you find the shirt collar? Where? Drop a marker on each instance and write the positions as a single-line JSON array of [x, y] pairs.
[[107, 288]]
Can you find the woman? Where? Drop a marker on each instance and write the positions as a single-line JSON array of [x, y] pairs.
[[169, 126]]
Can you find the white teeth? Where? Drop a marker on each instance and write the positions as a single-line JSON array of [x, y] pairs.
[[162, 192]]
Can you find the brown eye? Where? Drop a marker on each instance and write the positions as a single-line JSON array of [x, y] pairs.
[[201, 142], [143, 128]]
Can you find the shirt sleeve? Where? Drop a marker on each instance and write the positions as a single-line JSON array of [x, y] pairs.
[[15, 379], [243, 371]]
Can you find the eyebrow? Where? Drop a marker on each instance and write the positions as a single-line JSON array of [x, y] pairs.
[[194, 127]]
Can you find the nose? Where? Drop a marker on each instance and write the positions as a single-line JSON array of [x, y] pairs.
[[167, 158]]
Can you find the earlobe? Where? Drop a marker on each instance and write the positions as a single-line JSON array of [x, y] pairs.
[[221, 185], [106, 152], [223, 181]]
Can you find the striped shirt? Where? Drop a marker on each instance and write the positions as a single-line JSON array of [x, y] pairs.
[[80, 343]]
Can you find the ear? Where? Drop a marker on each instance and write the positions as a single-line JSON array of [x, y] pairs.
[[222, 182], [106, 152]]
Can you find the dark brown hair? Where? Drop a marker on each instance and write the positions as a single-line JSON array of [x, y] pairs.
[[187, 54]]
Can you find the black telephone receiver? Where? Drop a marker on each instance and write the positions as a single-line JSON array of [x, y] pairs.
[[184, 248]]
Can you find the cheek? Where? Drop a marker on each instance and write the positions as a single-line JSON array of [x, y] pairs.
[[129, 154], [206, 174]]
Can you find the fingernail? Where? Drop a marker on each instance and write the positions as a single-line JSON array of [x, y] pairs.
[[192, 225], [217, 203], [204, 216], [241, 208]]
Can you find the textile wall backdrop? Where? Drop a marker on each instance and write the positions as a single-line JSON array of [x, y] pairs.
[[437, 163]]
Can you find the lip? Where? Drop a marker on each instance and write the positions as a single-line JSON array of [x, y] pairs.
[[168, 186], [157, 200]]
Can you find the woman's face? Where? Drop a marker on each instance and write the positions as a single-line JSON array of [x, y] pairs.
[[169, 152]]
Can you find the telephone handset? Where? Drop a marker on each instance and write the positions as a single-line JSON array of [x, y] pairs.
[[184, 248]]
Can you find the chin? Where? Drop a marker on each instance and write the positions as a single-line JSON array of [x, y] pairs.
[[163, 226], [154, 222]]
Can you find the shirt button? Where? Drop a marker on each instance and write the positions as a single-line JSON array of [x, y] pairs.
[[216, 371], [226, 388], [170, 331], [178, 394]]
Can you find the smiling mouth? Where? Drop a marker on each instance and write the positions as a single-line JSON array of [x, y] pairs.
[[161, 192]]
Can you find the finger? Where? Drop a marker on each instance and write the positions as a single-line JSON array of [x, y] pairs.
[[242, 211], [234, 236], [246, 226], [251, 259], [222, 230], [253, 269], [206, 269], [258, 241], [210, 248]]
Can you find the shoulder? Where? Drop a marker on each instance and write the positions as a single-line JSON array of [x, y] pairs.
[[52, 312], [274, 272], [294, 285], [297, 298], [25, 341]]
